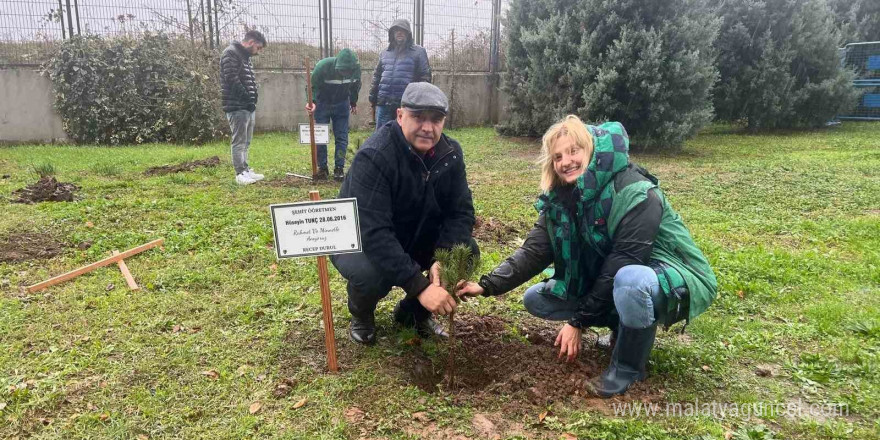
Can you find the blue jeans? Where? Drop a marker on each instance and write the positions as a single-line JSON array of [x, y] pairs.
[[338, 113], [241, 123], [637, 297], [385, 113]]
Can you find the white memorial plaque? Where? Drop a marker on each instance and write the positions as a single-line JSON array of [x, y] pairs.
[[323, 227], [322, 134]]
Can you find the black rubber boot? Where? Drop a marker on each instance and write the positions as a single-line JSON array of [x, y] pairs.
[[628, 360], [363, 330], [338, 174], [322, 174], [424, 324], [607, 342]]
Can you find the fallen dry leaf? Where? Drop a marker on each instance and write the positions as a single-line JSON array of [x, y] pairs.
[[728, 435], [2, 405], [90, 225], [299, 404], [707, 368], [415, 342], [255, 407], [354, 414], [142, 437], [568, 436], [273, 267], [211, 374], [740, 294], [176, 328], [104, 417], [542, 416]]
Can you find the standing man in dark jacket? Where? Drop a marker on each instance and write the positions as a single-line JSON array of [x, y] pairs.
[[240, 100], [402, 63], [336, 82], [411, 187]]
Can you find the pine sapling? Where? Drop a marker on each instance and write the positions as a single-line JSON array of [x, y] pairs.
[[456, 264]]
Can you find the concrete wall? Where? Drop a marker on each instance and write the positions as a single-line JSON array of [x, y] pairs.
[[282, 99], [27, 115], [26, 112]]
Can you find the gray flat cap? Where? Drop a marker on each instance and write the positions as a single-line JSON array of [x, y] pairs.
[[424, 96]]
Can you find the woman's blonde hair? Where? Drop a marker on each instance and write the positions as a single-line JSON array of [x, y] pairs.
[[570, 126]]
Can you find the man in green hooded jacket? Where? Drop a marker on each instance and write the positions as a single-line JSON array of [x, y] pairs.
[[336, 82]]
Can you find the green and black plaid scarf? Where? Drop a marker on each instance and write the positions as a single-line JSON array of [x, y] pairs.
[[577, 242]]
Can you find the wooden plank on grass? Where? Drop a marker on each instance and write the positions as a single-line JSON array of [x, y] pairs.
[[86, 269], [125, 273]]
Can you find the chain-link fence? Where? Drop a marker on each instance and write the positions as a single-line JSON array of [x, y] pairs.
[[460, 35], [864, 58]]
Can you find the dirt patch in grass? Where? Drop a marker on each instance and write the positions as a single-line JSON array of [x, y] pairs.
[[23, 246], [490, 229], [490, 363], [493, 367], [185, 166], [47, 189]]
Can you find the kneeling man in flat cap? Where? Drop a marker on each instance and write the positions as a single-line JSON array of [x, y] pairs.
[[413, 198]]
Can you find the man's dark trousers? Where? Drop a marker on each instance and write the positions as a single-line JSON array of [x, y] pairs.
[[366, 286], [338, 113]]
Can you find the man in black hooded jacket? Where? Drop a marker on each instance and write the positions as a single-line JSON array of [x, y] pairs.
[[239, 90]]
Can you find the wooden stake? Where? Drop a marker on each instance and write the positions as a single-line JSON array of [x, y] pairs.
[[125, 273], [311, 118], [324, 278], [86, 269]]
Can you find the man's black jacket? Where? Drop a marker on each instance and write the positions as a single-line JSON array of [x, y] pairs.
[[409, 205], [237, 80]]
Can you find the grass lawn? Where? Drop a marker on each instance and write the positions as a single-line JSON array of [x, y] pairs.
[[223, 341]]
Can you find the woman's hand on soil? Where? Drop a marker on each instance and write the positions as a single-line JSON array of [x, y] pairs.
[[569, 342]]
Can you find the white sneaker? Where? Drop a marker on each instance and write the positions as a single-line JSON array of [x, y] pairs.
[[243, 179], [250, 173]]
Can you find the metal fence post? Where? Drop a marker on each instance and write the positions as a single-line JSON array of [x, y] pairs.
[[494, 46], [324, 19], [330, 51], [210, 24], [69, 19], [421, 22], [61, 20], [217, 22], [76, 11], [417, 24]]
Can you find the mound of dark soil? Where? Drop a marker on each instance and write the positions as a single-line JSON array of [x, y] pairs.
[[47, 189], [24, 246], [492, 365], [185, 166], [491, 362], [490, 229]]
